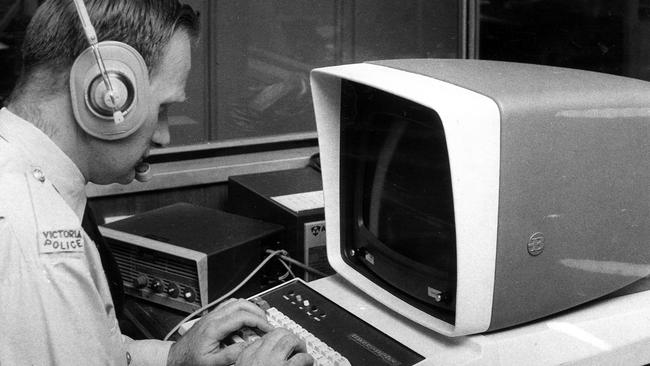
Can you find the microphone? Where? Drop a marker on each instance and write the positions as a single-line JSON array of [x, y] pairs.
[[143, 172]]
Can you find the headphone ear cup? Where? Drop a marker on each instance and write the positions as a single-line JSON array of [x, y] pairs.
[[129, 78]]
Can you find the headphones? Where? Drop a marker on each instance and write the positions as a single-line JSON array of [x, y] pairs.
[[109, 86]]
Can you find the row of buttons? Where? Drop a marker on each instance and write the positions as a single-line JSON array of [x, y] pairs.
[[304, 304], [323, 354]]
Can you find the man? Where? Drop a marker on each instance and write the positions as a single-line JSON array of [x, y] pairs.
[[56, 304]]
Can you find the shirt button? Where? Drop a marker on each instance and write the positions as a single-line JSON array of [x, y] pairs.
[[38, 174], [128, 358]]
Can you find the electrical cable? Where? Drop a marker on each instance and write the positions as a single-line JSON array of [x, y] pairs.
[[300, 264], [272, 253], [288, 273], [284, 277]]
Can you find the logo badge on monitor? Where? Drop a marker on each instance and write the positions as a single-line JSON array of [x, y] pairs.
[[536, 244]]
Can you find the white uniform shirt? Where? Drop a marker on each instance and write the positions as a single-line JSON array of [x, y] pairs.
[[55, 303]]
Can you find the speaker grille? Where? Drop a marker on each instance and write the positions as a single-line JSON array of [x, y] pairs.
[[135, 261]]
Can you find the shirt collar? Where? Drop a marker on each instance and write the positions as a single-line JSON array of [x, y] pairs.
[[40, 151]]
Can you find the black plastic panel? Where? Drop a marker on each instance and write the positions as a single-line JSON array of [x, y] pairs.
[[358, 341]]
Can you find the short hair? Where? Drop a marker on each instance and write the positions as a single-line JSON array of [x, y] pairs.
[[54, 37]]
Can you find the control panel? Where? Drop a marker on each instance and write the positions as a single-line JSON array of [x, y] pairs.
[[159, 277], [327, 327]]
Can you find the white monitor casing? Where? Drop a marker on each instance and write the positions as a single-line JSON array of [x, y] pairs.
[[540, 158]]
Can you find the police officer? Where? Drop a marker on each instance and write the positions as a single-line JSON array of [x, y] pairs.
[[71, 120]]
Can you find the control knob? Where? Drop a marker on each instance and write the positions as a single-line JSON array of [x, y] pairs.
[[188, 294], [172, 290], [141, 281], [157, 285]]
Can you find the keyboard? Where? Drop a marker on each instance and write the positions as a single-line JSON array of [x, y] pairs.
[[323, 354], [333, 335]]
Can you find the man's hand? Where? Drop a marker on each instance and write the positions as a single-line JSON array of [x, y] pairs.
[[201, 345], [277, 348]]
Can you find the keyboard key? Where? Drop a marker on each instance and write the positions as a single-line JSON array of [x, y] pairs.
[[323, 354]]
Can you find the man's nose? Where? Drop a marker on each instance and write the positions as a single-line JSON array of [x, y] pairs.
[[161, 136]]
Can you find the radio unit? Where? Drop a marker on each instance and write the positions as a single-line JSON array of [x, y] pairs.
[[184, 256]]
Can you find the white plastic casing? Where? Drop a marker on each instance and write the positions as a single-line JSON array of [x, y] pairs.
[[471, 123]]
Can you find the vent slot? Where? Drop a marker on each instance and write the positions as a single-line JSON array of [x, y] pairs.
[[134, 261]]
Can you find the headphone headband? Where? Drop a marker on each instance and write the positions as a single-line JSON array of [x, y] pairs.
[[109, 85]]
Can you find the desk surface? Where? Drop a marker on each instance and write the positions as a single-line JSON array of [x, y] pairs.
[[146, 320], [614, 331]]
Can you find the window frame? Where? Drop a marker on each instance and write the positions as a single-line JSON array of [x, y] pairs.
[[215, 162]]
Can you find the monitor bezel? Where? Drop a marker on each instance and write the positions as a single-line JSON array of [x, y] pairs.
[[471, 122]]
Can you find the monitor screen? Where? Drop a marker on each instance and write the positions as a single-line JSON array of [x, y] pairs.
[[401, 204]]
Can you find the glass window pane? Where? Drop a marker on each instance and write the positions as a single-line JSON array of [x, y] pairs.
[[599, 35], [266, 48], [250, 69], [405, 29], [189, 122]]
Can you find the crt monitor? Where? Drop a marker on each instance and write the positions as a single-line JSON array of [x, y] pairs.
[[471, 196]]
